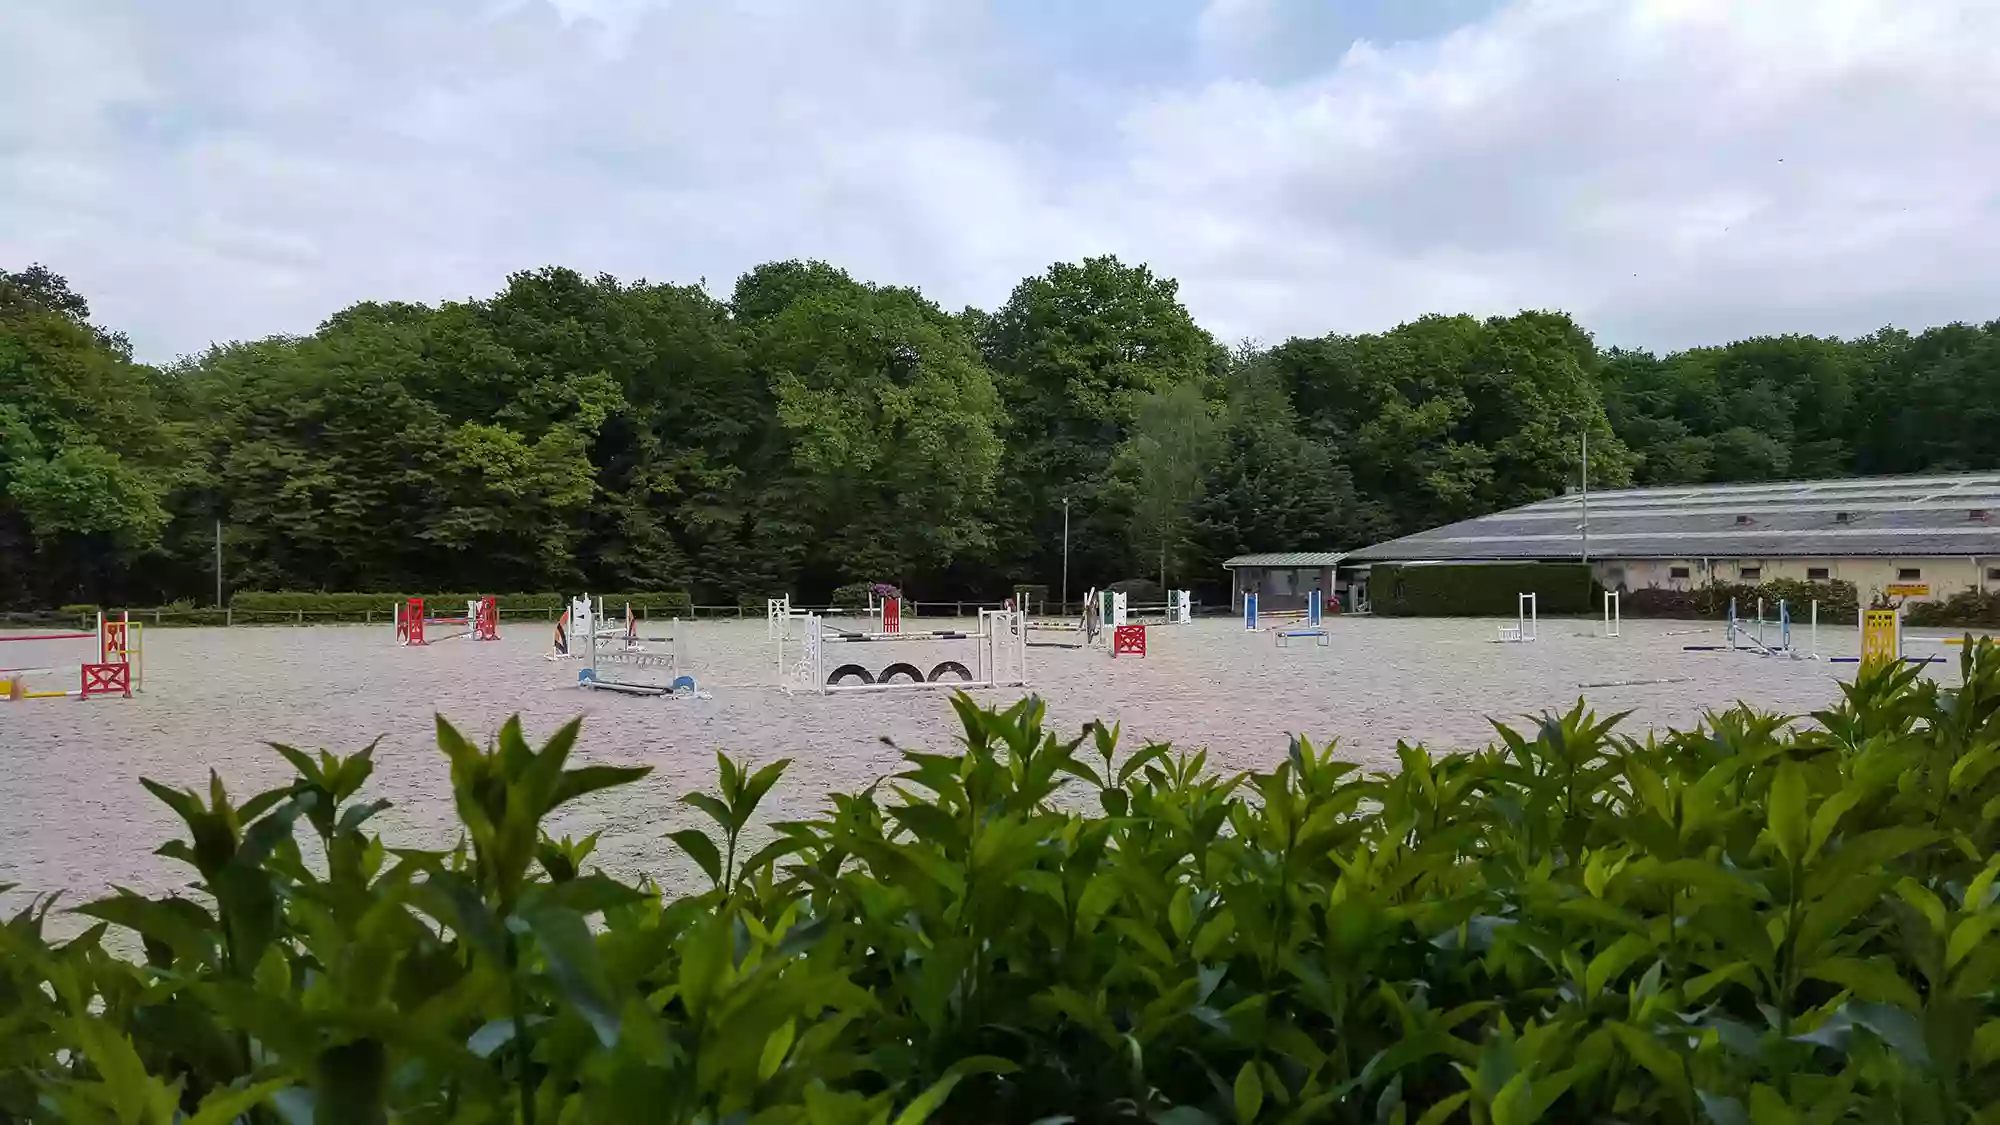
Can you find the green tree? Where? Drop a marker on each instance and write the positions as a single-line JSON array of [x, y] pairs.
[[890, 420], [1159, 473], [85, 459], [1075, 350]]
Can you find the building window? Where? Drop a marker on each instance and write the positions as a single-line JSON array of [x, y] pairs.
[[1993, 574], [1682, 572], [1908, 573], [1750, 573], [1817, 574]]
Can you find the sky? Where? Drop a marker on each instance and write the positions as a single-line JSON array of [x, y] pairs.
[[1670, 172]]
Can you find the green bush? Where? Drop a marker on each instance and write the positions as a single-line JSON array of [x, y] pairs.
[[1481, 590], [79, 609], [1754, 921], [1838, 601], [1969, 607], [1138, 591], [857, 595]]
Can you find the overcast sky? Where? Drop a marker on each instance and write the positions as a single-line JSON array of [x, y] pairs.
[[1672, 172]]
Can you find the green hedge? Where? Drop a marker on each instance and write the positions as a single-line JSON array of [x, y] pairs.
[[1837, 600], [1487, 590], [322, 606], [1971, 607]]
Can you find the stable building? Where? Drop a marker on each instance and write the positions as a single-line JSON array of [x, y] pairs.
[[1282, 580], [1918, 537]]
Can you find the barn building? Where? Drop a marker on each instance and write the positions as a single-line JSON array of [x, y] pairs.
[[1918, 538]]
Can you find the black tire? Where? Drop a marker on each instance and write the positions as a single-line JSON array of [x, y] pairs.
[[890, 674], [842, 673], [938, 672]]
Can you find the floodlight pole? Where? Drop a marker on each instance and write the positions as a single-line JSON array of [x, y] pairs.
[[1065, 572], [1586, 494]]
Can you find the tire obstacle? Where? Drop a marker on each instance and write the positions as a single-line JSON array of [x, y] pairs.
[[999, 658], [581, 633], [119, 669], [481, 621]]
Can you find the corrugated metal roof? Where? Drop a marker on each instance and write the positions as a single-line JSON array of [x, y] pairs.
[[1287, 558], [1895, 516]]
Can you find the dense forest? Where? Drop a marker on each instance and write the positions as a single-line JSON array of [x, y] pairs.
[[813, 429]]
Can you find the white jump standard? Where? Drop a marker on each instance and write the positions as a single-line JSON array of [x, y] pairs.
[[1527, 624], [619, 646], [999, 658]]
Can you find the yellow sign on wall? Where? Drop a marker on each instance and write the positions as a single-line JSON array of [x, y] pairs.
[[1909, 589], [1879, 639]]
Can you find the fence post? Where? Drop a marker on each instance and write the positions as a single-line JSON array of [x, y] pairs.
[[229, 617], [300, 619]]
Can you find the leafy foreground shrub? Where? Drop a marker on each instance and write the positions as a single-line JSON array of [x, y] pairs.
[[1742, 923]]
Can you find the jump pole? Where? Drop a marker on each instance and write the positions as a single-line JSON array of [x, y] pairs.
[[1614, 614]]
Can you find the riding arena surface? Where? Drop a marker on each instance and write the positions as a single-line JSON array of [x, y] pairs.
[[77, 820]]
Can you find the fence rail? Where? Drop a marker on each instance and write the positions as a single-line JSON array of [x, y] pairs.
[[231, 617]]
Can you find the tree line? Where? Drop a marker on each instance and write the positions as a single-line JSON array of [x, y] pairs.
[[813, 429]]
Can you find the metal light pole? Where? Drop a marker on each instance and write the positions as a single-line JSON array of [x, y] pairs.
[[1586, 495], [1065, 580], [218, 564]]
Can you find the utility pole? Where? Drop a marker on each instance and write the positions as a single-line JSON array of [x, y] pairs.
[[1065, 578], [1586, 494], [218, 564]]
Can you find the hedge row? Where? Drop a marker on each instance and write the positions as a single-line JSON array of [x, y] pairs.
[[1971, 607], [358, 606], [1838, 601], [1481, 590]]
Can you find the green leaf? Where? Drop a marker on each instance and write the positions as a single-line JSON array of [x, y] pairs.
[[759, 783], [1924, 901], [1647, 1051], [1872, 979], [1606, 966], [1966, 936], [350, 1082], [225, 1104], [1827, 817], [1767, 1108], [571, 955], [1442, 1111], [589, 779], [1249, 1093], [716, 810], [923, 1105], [776, 1046], [702, 850], [1986, 1043], [1787, 812], [1722, 1110]]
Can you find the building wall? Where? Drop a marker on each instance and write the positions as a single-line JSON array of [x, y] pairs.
[[1872, 576], [1279, 587]]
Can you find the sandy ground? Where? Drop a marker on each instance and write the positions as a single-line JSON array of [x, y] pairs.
[[75, 819]]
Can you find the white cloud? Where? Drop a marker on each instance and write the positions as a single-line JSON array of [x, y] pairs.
[[1672, 171]]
